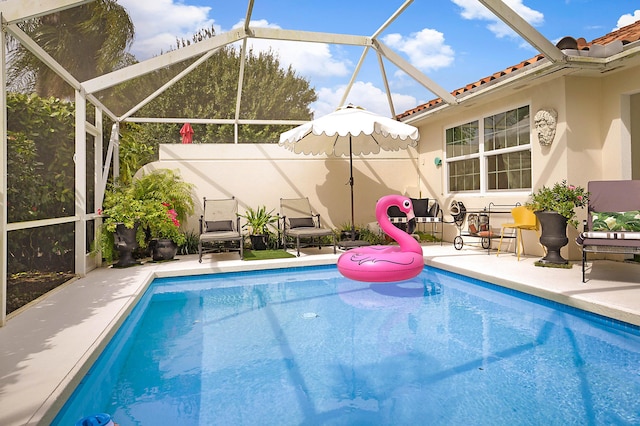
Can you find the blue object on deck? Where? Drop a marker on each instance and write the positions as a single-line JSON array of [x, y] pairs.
[[100, 419]]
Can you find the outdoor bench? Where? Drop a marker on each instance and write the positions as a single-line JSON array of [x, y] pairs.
[[613, 219]]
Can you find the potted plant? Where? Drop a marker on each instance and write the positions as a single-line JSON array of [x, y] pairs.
[[258, 223], [555, 207], [345, 232], [123, 215], [163, 228], [169, 201], [155, 203]]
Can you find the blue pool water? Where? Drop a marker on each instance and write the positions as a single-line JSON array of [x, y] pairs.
[[307, 346]]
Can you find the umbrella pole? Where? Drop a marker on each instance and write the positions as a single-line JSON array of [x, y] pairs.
[[353, 225]]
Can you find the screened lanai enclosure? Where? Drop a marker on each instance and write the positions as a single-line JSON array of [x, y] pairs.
[[78, 105]]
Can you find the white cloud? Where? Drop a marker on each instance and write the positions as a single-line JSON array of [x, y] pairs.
[[308, 59], [426, 49], [627, 19], [362, 94], [473, 9], [159, 23]]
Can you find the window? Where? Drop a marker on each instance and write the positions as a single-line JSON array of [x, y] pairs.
[[492, 154]]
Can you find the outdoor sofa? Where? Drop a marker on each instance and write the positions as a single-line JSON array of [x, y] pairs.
[[613, 219]]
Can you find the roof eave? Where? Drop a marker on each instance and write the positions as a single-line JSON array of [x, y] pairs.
[[530, 72]]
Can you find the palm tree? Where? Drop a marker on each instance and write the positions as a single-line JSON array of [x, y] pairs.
[[88, 40]]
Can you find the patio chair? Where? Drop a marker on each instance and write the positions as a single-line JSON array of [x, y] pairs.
[[523, 218], [300, 223], [220, 228], [426, 210]]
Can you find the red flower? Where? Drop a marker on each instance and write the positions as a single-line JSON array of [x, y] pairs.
[[173, 215]]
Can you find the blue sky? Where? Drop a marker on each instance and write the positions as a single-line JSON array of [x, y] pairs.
[[454, 42]]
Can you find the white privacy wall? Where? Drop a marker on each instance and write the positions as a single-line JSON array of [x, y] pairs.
[[261, 174]]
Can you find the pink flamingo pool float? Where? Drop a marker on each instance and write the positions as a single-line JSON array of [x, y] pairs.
[[385, 263]]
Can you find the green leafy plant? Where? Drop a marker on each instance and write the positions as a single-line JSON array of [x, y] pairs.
[[190, 245], [259, 221], [157, 202], [40, 147], [561, 198], [162, 222], [370, 236], [363, 233], [135, 151], [120, 206], [165, 186]]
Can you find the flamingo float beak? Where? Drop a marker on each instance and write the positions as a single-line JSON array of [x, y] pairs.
[[410, 214]]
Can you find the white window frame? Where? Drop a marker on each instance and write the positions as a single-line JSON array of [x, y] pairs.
[[483, 155]]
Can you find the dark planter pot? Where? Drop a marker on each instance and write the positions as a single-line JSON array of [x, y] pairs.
[[163, 249], [346, 235], [125, 242], [258, 242], [554, 236]]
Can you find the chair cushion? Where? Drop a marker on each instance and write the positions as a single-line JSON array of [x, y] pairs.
[[219, 225], [301, 222], [420, 206], [616, 221]]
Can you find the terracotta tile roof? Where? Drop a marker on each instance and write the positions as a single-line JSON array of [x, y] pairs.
[[627, 34]]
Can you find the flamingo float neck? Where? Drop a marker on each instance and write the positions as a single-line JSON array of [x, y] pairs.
[[406, 241]]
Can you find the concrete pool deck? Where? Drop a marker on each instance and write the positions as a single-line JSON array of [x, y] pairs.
[[47, 347]]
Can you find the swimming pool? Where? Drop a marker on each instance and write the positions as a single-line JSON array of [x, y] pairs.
[[307, 346]]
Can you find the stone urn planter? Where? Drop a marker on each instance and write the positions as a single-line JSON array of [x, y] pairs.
[[162, 249], [554, 236], [125, 243]]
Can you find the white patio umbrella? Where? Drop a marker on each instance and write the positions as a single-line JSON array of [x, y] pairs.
[[347, 131]]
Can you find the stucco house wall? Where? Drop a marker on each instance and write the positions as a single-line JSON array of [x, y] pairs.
[[593, 139]]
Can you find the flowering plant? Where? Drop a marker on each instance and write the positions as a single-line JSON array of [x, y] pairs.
[[162, 221], [560, 198], [155, 202]]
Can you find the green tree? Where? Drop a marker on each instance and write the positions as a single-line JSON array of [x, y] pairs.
[[136, 150], [269, 92], [88, 40]]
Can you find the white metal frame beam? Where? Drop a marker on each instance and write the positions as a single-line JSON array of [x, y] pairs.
[[80, 160], [308, 36], [145, 67], [168, 84], [524, 29], [19, 10], [212, 120], [42, 55], [415, 73], [364, 54], [243, 61]]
